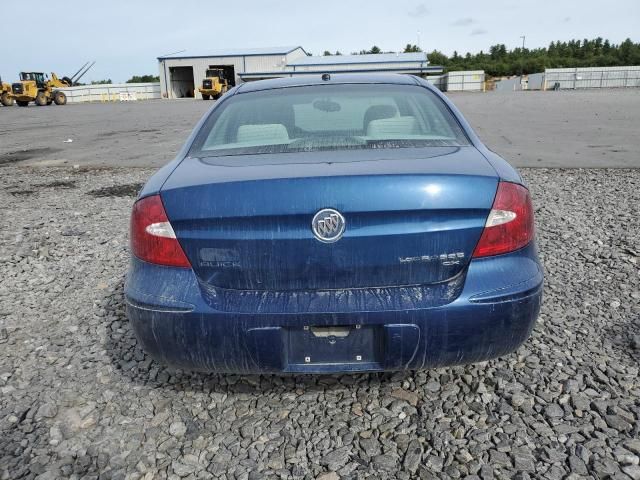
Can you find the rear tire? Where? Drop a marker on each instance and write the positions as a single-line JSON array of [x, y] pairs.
[[205, 97], [60, 98], [22, 103], [6, 100], [41, 99]]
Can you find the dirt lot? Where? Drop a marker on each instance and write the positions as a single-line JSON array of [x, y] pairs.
[[530, 129], [79, 399]]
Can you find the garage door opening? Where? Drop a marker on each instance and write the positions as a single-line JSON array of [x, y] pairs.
[[229, 73], [181, 80]]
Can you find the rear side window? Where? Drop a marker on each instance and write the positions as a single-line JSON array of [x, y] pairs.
[[328, 117]]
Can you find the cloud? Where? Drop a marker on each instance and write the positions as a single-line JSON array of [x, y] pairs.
[[478, 31], [566, 19], [463, 22], [420, 10]]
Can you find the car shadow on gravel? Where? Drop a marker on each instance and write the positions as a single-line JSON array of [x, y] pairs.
[[134, 364]]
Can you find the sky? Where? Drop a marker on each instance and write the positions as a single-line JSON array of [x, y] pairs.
[[125, 37]]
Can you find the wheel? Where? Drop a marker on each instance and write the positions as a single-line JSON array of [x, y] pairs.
[[41, 99], [6, 100], [60, 98], [22, 103], [223, 90], [205, 97], [50, 101]]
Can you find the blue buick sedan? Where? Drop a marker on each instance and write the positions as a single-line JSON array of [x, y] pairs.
[[333, 223]]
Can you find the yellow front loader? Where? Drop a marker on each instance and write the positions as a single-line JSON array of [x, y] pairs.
[[214, 85], [5, 94], [39, 88], [35, 87]]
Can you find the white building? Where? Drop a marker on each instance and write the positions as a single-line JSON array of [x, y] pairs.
[[411, 63], [180, 76]]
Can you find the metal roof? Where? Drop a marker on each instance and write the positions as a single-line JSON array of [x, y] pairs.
[[316, 79], [372, 70], [418, 57], [239, 52]]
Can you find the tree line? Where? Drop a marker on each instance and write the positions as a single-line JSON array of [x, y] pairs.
[[500, 61]]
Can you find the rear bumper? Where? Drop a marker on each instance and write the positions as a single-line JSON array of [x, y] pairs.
[[492, 316]]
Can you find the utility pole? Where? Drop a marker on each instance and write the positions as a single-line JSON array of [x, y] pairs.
[[522, 62]]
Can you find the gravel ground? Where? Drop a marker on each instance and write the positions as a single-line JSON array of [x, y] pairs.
[[79, 399]]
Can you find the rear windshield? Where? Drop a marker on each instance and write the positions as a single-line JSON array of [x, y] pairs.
[[328, 117]]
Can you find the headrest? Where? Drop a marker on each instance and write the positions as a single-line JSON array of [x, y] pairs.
[[263, 134], [392, 127], [376, 112]]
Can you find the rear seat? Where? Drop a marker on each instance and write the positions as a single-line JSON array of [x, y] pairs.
[[263, 134], [392, 127]]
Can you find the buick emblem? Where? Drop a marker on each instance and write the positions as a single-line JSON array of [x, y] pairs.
[[328, 225]]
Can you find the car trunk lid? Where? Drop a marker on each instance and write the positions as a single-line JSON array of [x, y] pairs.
[[412, 217]]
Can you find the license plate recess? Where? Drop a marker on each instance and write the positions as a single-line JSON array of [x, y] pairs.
[[350, 344]]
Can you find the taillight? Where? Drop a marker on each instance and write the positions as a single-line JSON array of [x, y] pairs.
[[509, 225], [152, 237]]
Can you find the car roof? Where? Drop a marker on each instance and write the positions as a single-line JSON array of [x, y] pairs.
[[335, 79]]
